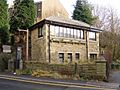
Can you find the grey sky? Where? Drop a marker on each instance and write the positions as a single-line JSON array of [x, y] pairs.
[[68, 4]]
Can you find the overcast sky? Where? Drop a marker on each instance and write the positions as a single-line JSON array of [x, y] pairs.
[[68, 4]]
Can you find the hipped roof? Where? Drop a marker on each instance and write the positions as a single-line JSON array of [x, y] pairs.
[[66, 23]]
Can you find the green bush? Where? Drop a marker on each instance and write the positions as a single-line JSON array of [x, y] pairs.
[[115, 66], [4, 58], [24, 72], [91, 77]]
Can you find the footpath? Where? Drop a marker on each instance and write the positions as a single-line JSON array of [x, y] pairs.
[[67, 83]]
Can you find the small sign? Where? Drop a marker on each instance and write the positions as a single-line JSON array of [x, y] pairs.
[[6, 49]]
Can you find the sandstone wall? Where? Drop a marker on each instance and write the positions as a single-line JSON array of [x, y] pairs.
[[38, 45]]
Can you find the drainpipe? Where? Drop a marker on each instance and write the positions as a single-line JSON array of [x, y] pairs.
[[49, 55], [86, 45]]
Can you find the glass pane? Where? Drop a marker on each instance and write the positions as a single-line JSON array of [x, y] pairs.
[[78, 32], [77, 56], [61, 32], [57, 31], [52, 30], [70, 57], [65, 32], [82, 34], [61, 57], [72, 34], [92, 35], [68, 32], [75, 33]]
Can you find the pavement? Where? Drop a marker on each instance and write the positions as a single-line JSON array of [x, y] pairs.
[[61, 83]]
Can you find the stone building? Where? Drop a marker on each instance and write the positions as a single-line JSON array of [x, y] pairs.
[[59, 40], [46, 8]]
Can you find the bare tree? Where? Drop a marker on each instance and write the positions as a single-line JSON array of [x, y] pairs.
[[108, 20]]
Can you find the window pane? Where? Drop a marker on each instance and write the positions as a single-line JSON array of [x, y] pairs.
[[69, 57], [61, 32], [52, 30], [78, 32], [40, 32], [68, 32], [65, 32], [72, 34], [92, 35], [93, 56], [61, 57], [77, 55], [75, 33], [57, 31], [82, 34]]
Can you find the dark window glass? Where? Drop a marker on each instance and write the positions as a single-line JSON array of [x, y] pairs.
[[70, 57], [40, 32], [93, 56], [61, 57], [77, 56]]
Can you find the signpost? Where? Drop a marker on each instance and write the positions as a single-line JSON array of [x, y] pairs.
[[6, 49]]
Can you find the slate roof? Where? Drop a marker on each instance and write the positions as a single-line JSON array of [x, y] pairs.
[[69, 22]]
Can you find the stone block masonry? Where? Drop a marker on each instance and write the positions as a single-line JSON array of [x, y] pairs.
[[96, 70]]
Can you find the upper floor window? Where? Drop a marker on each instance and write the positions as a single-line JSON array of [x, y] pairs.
[[59, 31], [52, 30], [40, 32], [92, 35]]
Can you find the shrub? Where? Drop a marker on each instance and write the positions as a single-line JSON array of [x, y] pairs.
[[92, 77], [41, 73], [115, 66], [66, 71], [22, 72]]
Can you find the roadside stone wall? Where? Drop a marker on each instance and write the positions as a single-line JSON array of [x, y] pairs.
[[96, 70]]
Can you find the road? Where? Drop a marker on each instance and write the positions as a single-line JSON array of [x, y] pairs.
[[115, 77], [17, 85]]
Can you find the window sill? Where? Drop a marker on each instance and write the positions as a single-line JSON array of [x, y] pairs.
[[93, 41], [71, 40], [40, 37]]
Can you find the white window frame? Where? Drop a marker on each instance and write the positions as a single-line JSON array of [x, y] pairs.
[[52, 30], [57, 31], [92, 35]]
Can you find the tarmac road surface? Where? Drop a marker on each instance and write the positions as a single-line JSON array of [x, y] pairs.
[[17, 85]]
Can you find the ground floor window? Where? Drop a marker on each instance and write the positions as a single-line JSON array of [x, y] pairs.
[[93, 56], [69, 57], [77, 56], [61, 57]]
